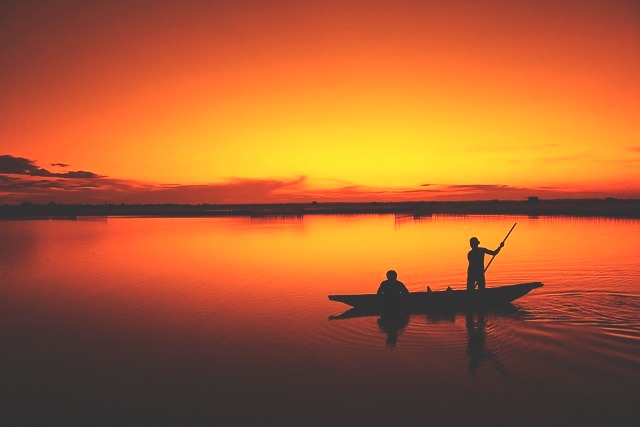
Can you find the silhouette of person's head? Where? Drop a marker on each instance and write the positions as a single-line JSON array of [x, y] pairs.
[[474, 242], [392, 275]]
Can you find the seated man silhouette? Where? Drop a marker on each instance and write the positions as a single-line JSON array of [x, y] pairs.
[[392, 286], [475, 271]]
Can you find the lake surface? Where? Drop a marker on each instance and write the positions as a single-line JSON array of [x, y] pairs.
[[226, 321]]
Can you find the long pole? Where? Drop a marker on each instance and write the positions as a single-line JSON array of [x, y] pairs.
[[503, 240]]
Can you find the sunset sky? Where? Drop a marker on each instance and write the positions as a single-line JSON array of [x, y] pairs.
[[277, 101]]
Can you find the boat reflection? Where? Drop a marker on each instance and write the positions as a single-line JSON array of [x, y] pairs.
[[435, 316], [392, 323]]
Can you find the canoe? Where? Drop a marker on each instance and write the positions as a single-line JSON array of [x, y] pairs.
[[449, 299]]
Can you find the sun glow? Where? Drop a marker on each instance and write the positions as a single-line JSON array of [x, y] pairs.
[[381, 97]]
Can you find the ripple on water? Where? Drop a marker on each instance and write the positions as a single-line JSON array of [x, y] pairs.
[[592, 331], [591, 308]]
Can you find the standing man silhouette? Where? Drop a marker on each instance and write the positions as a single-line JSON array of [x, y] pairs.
[[475, 271]]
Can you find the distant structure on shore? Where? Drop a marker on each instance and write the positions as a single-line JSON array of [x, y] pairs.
[[532, 206]]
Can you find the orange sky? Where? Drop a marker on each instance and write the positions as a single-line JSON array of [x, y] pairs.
[[256, 101]]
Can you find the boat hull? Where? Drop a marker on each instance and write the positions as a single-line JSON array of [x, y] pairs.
[[450, 299]]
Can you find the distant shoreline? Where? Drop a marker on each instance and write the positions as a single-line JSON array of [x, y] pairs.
[[607, 208]]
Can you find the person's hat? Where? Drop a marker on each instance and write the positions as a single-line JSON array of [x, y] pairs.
[[474, 240]]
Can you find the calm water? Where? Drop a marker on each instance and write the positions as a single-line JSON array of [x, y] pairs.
[[226, 321]]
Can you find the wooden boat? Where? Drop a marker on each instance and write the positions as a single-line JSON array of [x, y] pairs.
[[439, 300]]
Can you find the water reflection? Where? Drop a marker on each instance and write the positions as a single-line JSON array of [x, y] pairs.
[[476, 334], [393, 323], [477, 349], [162, 319]]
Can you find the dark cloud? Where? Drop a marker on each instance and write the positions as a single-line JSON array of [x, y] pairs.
[[480, 187], [17, 165], [61, 165], [21, 166], [80, 189], [21, 180], [77, 174]]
